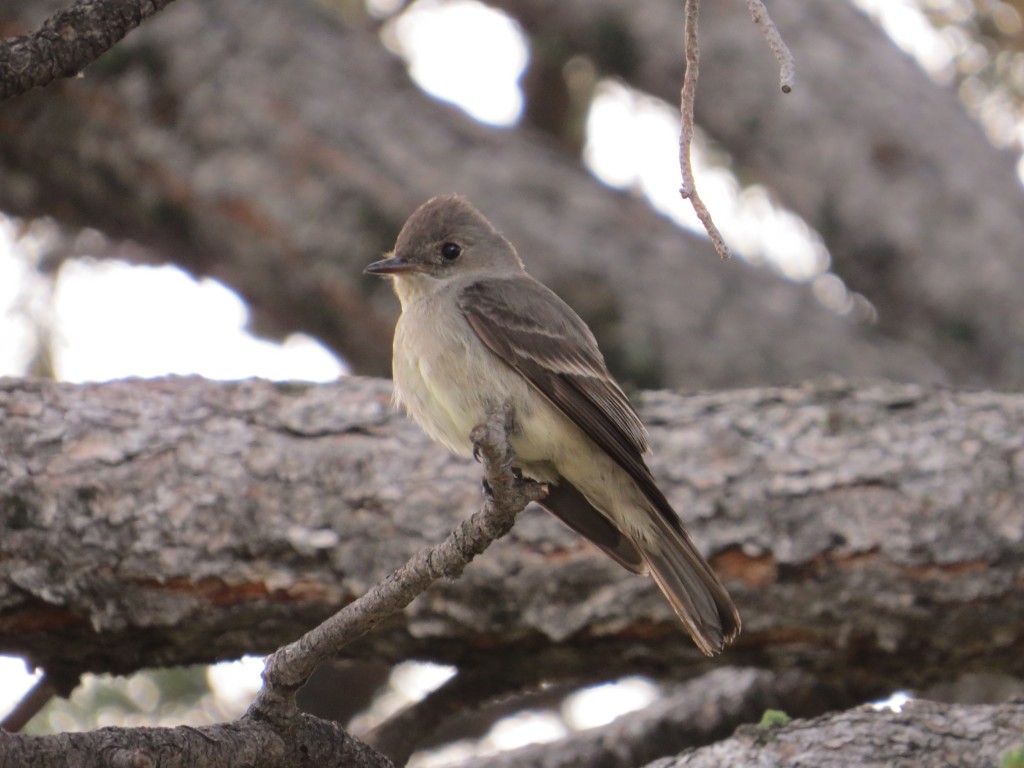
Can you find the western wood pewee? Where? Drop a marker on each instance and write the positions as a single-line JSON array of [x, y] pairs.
[[476, 332]]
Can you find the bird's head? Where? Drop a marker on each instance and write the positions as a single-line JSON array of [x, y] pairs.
[[447, 238]]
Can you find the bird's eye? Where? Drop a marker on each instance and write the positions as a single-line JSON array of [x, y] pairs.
[[451, 251]]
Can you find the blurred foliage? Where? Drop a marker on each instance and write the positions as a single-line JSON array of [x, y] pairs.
[[774, 718]]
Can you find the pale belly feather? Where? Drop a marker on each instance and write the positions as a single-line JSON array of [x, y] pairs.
[[445, 378]]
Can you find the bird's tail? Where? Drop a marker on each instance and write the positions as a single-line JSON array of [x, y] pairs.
[[689, 584]]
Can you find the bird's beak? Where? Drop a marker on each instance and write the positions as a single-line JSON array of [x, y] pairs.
[[394, 266]]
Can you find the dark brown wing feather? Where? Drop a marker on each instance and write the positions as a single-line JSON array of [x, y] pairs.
[[572, 508], [537, 333]]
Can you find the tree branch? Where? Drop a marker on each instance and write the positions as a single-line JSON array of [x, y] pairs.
[[923, 733], [787, 66], [68, 42], [290, 667], [250, 743], [869, 534], [960, 734], [688, 188]]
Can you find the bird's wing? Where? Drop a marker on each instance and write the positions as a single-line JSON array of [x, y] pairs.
[[536, 333]]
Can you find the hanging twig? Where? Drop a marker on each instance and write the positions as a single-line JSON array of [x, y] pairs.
[[688, 189], [787, 67]]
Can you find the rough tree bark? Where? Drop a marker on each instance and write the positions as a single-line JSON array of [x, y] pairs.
[[871, 535], [303, 742], [920, 213], [207, 137], [924, 735]]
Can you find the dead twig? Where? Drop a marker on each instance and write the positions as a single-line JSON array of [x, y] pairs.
[[787, 69], [688, 189]]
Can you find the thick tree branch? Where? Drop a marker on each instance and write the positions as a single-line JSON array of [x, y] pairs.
[[291, 666], [871, 535], [295, 743], [68, 42], [923, 733]]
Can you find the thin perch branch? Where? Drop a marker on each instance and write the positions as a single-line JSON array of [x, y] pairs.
[[787, 67], [688, 189], [290, 666]]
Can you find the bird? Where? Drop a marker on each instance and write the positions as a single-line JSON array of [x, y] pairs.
[[476, 332]]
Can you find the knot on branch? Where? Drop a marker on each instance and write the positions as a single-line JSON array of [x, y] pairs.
[[491, 439]]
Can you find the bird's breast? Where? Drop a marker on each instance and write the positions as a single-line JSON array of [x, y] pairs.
[[444, 376], [449, 381]]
